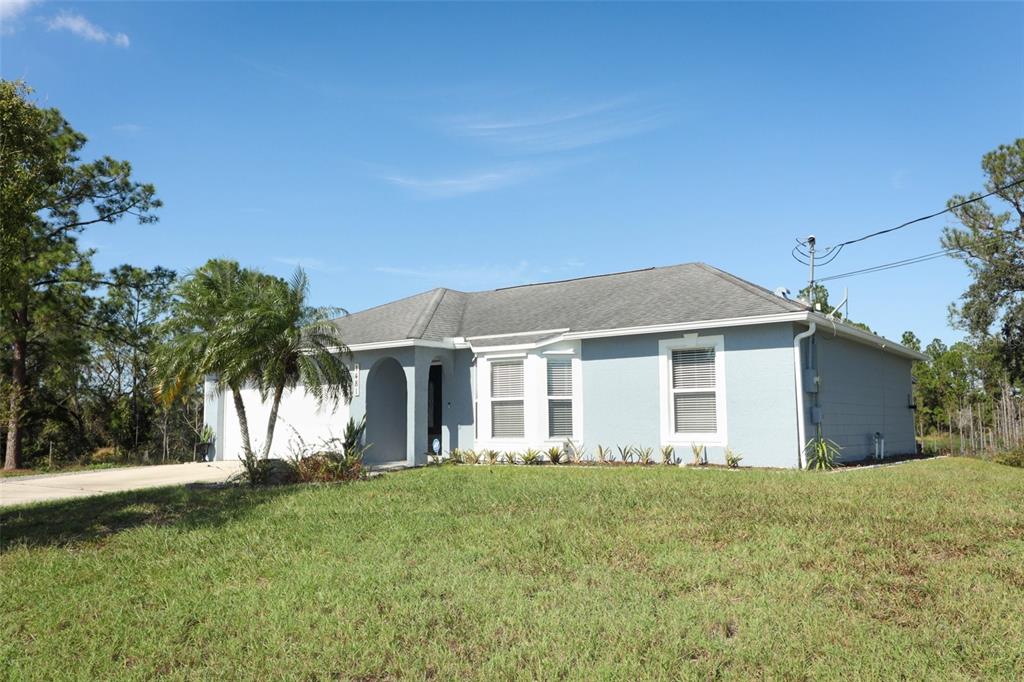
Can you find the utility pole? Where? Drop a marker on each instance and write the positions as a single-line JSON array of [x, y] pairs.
[[810, 281]]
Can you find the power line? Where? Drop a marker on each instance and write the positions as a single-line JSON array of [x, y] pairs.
[[933, 215], [890, 266]]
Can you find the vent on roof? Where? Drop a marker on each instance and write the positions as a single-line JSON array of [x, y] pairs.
[[782, 292]]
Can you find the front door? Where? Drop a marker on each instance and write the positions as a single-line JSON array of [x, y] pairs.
[[435, 411]]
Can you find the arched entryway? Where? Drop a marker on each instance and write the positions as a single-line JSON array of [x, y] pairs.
[[386, 400]]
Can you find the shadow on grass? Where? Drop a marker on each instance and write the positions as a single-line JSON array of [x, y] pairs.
[[93, 519]]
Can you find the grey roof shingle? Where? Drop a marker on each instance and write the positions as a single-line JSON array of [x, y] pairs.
[[679, 293]]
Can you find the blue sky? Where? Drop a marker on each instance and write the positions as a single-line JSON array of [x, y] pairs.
[[393, 148]]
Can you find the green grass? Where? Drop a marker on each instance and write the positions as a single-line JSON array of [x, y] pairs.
[[912, 571]]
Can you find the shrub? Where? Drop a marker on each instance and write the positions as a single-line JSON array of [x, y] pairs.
[[470, 457], [434, 458], [604, 455], [626, 453], [644, 455], [1011, 458], [511, 457], [353, 435], [577, 452], [555, 454], [821, 453], [732, 458], [330, 460], [531, 456], [668, 454], [109, 455], [456, 456], [700, 454], [491, 456]]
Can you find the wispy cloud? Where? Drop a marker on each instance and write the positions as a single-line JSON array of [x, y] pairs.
[[308, 263], [459, 185], [11, 11], [128, 128], [83, 28], [561, 129], [484, 276]]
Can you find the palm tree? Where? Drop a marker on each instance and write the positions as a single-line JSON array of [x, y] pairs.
[[253, 329], [297, 344]]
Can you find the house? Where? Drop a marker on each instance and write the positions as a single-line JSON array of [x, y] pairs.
[[662, 356]]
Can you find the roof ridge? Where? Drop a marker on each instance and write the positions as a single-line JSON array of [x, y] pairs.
[[751, 287], [427, 314]]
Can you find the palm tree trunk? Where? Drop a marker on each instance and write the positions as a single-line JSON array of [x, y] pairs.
[[272, 419], [243, 422]]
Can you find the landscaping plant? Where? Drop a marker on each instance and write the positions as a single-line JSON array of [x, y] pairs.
[[699, 454], [645, 455], [668, 455], [732, 458], [625, 453], [604, 455], [531, 456], [577, 452], [555, 454], [820, 452]]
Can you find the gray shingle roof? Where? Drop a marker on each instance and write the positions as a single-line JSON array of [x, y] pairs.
[[679, 293]]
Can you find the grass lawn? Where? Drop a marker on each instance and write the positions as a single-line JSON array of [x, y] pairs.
[[912, 571]]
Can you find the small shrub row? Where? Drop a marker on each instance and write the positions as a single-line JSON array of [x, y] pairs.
[[576, 453]]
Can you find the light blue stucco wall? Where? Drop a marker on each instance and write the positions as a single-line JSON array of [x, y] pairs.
[[863, 389], [621, 393]]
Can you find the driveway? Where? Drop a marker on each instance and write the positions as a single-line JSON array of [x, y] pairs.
[[25, 489]]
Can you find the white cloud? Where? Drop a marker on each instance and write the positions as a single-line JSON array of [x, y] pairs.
[[560, 129], [453, 186], [83, 28], [11, 11], [128, 128], [472, 277]]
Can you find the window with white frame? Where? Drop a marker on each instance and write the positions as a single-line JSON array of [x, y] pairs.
[[507, 399], [559, 397], [694, 391]]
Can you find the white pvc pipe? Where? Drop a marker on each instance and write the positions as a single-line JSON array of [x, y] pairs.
[[801, 420]]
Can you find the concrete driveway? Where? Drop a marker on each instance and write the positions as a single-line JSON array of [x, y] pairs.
[[25, 489]]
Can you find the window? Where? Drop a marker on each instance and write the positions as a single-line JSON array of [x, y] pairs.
[[559, 397], [694, 399], [507, 399]]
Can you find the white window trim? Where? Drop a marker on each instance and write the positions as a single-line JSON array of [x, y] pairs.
[[688, 342], [491, 400], [574, 372], [535, 408]]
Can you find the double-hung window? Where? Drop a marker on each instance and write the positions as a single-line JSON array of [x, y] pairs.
[[559, 397], [507, 399], [694, 408]]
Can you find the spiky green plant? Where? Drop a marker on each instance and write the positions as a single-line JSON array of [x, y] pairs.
[[511, 457], [700, 455], [626, 453], [556, 455], [531, 456], [668, 454], [470, 457], [577, 451], [492, 456], [455, 456], [821, 452], [732, 458], [645, 455], [604, 455]]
